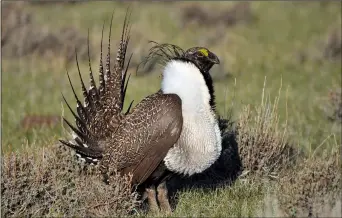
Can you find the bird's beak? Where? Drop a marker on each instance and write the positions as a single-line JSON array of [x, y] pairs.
[[215, 59]]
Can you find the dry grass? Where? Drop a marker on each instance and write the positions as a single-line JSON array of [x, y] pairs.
[[312, 187], [22, 36], [49, 182], [239, 13], [302, 186], [263, 144], [48, 2], [333, 45], [36, 121], [328, 48], [333, 105]]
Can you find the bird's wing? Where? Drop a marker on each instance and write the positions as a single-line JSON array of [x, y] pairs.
[[100, 114], [146, 136]]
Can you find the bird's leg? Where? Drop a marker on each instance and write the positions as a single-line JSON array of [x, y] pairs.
[[151, 199], [163, 198]]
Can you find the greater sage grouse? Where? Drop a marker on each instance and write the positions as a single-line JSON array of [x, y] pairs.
[[172, 131]]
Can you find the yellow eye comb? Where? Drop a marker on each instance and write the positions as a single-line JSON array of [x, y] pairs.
[[204, 51]]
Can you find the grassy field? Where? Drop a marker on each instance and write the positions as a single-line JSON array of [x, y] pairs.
[[276, 53]]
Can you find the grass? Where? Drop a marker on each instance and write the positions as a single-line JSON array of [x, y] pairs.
[[53, 185], [218, 202], [305, 191], [266, 48]]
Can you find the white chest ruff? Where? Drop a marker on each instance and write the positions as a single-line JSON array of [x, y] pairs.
[[199, 145]]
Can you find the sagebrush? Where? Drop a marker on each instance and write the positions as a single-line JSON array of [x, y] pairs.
[[50, 182]]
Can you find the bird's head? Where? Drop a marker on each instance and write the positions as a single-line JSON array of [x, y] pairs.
[[202, 58], [179, 70]]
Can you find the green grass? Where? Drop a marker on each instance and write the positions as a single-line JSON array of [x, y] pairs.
[[241, 200], [251, 53], [265, 49]]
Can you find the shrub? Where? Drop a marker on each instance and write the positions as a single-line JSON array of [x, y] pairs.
[[49, 182], [312, 187], [263, 146]]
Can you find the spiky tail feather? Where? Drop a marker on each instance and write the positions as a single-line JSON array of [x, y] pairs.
[[102, 105]]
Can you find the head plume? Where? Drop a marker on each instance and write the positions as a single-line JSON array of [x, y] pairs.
[[163, 53]]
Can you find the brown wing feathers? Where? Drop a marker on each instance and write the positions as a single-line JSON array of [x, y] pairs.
[[102, 105], [159, 132]]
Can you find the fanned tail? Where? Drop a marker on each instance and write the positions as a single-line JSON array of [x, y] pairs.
[[101, 112], [116, 81]]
